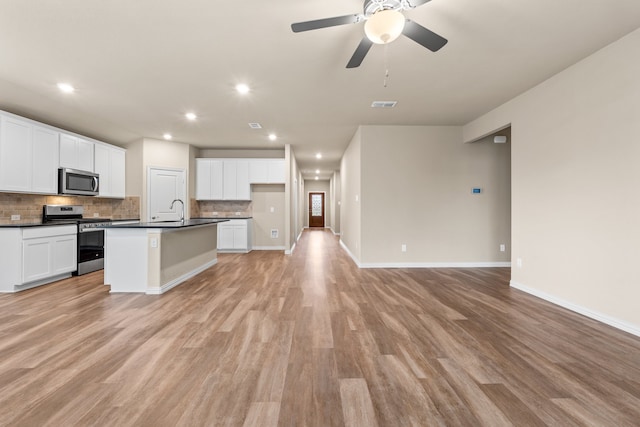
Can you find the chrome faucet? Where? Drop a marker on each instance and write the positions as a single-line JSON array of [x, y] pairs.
[[182, 211]]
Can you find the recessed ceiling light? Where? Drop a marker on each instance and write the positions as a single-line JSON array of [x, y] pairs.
[[167, 136], [272, 137], [316, 178], [317, 170], [242, 88], [191, 116], [318, 156], [66, 87]]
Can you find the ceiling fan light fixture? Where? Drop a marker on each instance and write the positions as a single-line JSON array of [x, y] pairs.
[[384, 26]]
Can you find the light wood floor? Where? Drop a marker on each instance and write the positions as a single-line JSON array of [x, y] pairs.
[[265, 339]]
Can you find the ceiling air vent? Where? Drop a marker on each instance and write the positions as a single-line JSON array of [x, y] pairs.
[[383, 104], [255, 126]]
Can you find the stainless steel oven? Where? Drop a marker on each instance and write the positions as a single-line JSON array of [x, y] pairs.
[[90, 236], [90, 247]]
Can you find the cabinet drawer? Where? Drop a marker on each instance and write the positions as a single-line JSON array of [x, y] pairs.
[[234, 222], [38, 232]]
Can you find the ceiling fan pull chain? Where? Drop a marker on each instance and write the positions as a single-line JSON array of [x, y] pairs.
[[386, 64]]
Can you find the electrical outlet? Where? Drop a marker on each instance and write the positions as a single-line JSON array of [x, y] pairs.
[[404, 248], [154, 242], [238, 213], [214, 213], [96, 215], [502, 247], [274, 233], [272, 209], [15, 217], [519, 262]]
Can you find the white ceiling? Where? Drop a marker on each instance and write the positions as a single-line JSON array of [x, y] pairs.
[[139, 65]]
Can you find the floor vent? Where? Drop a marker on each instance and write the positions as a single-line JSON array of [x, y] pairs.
[[383, 104]]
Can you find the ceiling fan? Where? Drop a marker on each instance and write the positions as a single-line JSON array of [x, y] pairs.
[[384, 23]]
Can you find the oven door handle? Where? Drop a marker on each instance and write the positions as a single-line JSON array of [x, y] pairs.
[[94, 185]]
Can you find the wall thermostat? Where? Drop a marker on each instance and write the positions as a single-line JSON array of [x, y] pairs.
[[476, 190]]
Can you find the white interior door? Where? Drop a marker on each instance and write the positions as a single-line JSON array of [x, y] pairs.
[[165, 185]]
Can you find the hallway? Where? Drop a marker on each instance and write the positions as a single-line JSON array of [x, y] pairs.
[[265, 339]]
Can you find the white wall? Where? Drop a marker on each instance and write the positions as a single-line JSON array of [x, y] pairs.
[[576, 180], [335, 202], [350, 217], [293, 199], [416, 184], [264, 198], [149, 152]]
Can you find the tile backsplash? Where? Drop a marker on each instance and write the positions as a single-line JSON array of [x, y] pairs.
[[208, 208], [29, 206]]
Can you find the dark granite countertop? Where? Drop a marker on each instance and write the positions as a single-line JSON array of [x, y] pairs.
[[224, 217], [37, 223], [168, 224]]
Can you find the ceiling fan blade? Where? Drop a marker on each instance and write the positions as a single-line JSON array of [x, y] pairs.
[[416, 3], [324, 23], [360, 53], [421, 35]]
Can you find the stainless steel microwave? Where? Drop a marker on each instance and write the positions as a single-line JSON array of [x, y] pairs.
[[78, 182]]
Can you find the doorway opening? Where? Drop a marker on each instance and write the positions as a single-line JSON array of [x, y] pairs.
[[316, 210]]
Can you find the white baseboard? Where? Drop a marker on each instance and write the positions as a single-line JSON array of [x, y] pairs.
[[290, 251], [334, 233], [608, 320], [37, 283], [480, 264], [175, 282], [356, 260], [268, 248]]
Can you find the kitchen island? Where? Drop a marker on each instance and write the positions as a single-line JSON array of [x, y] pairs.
[[153, 257]]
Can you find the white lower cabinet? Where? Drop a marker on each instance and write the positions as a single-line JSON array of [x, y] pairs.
[[33, 256], [234, 235]]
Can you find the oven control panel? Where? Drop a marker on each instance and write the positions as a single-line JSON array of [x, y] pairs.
[[91, 226]]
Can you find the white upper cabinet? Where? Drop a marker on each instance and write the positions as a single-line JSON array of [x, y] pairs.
[[45, 160], [15, 155], [109, 164], [258, 171], [209, 177], [231, 179], [222, 179], [76, 153], [31, 153], [28, 157], [275, 171], [243, 187], [235, 183], [266, 171]]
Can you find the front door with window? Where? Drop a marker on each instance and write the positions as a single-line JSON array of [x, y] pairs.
[[316, 209]]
